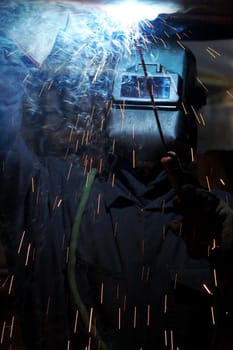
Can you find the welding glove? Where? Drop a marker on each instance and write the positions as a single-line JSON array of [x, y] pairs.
[[207, 223], [206, 220]]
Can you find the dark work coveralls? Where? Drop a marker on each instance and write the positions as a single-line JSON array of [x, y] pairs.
[[139, 286]]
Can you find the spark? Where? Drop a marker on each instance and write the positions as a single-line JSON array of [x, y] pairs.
[[134, 159], [3, 331], [12, 326], [68, 344], [5, 282], [148, 315], [184, 108], [212, 52], [26, 77], [33, 185], [202, 84], [50, 84], [171, 340], [135, 317], [102, 293], [133, 131], [119, 318], [215, 278], [202, 119], [11, 284], [100, 165], [165, 337], [67, 254], [87, 179], [76, 322], [122, 109], [192, 154], [222, 182], [42, 89], [208, 183], [28, 253], [196, 114], [21, 242], [212, 315], [207, 289], [229, 93], [165, 303], [180, 44], [98, 203], [90, 319], [113, 179], [69, 172], [71, 134], [89, 344]]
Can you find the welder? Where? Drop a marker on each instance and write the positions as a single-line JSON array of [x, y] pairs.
[[111, 241]]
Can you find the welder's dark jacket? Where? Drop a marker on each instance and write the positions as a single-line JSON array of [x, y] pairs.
[[133, 274]]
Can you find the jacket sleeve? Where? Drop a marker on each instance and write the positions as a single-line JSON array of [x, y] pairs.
[[16, 160]]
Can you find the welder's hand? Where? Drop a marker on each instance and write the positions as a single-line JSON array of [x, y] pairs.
[[206, 221]]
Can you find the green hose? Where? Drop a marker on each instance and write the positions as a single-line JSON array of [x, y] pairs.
[[72, 261]]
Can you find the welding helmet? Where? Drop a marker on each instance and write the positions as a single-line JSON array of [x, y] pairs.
[[173, 94]]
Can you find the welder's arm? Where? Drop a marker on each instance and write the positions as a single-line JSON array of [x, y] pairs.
[[12, 72], [16, 160], [206, 225]]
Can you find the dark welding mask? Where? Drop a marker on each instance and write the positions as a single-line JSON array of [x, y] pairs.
[[174, 95]]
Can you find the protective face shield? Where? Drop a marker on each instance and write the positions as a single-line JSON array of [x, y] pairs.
[[131, 124]]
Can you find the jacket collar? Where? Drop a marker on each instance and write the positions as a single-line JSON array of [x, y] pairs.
[[126, 189]]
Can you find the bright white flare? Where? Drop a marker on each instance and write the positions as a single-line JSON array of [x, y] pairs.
[[130, 13]]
